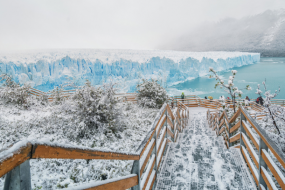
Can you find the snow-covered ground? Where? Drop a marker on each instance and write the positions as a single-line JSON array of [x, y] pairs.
[[52, 124], [46, 69]]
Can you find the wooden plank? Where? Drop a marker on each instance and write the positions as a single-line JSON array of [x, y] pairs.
[[266, 180], [235, 127], [120, 184], [146, 159], [19, 157], [170, 133], [221, 124], [154, 178], [149, 174], [222, 115], [152, 133], [249, 150], [250, 136], [160, 127], [251, 169], [43, 151], [235, 138], [161, 156], [161, 142], [170, 112], [235, 116], [178, 127], [170, 123], [226, 122], [272, 169], [222, 130], [267, 144], [215, 126]]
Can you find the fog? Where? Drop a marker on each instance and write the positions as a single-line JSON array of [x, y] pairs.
[[124, 24], [264, 33]]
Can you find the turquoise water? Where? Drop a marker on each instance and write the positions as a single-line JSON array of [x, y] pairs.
[[273, 69]]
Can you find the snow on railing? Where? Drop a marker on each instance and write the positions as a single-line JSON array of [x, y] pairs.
[[147, 159], [243, 135]]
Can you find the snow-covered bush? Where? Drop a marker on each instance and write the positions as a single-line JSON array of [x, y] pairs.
[[151, 94], [95, 108], [14, 93], [229, 88]]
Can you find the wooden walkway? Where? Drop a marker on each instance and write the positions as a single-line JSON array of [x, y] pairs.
[[200, 160]]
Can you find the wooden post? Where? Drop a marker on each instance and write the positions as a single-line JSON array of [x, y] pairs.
[[262, 145], [155, 152], [136, 170], [19, 178], [230, 135], [242, 130]]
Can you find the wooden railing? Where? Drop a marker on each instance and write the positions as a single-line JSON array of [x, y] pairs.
[[147, 159], [131, 97], [242, 131]]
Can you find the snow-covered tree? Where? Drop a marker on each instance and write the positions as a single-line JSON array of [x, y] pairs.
[[233, 91], [12, 92], [275, 112], [151, 94]]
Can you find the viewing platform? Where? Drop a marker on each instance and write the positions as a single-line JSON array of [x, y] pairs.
[[192, 144]]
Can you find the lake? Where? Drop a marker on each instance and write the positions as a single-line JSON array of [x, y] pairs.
[[270, 68]]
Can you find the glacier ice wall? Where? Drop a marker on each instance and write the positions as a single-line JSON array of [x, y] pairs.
[[46, 69]]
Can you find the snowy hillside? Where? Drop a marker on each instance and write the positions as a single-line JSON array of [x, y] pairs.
[[45, 69], [262, 33]]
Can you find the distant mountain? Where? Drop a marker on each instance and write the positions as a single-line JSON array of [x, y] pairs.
[[263, 33]]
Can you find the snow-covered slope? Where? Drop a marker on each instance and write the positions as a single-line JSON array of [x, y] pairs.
[[45, 69], [262, 33]]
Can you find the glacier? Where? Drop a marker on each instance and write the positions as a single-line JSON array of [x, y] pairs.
[[45, 69]]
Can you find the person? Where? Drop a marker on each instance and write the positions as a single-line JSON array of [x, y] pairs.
[[172, 103], [247, 98], [257, 100], [206, 97], [261, 100], [182, 97]]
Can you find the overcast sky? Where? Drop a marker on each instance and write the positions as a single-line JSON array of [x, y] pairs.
[[112, 24]]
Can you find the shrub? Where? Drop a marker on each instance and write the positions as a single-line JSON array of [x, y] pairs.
[[151, 94], [12, 92], [96, 108]]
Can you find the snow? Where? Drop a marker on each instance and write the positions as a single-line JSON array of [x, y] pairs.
[[199, 160], [250, 131], [50, 125], [251, 148], [269, 178], [274, 166], [144, 177], [250, 162], [9, 152], [46, 69], [142, 159], [161, 151], [161, 137], [97, 183], [150, 180]]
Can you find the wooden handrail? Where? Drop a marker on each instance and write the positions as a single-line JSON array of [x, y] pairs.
[[274, 169], [120, 183], [262, 134], [248, 147], [20, 155], [45, 151]]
